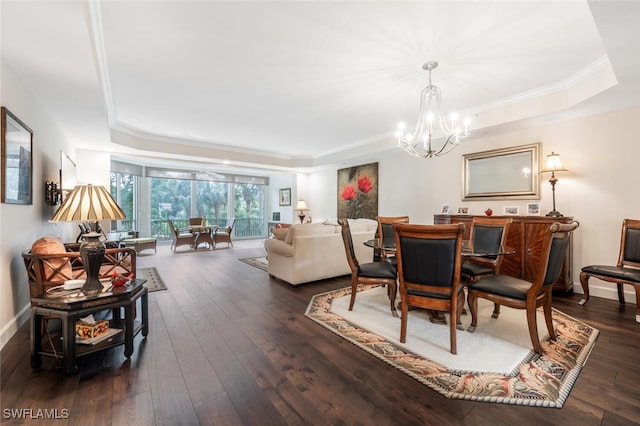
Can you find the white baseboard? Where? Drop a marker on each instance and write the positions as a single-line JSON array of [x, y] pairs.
[[607, 290], [12, 326]]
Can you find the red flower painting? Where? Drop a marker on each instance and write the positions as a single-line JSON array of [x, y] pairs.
[[348, 193], [358, 191], [364, 184]]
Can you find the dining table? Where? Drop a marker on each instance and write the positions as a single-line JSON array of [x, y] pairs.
[[203, 234], [466, 252]]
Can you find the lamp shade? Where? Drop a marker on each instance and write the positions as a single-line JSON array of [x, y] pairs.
[[553, 164], [301, 206], [88, 203]]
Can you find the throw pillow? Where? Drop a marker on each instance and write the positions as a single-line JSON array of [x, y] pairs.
[[57, 269]]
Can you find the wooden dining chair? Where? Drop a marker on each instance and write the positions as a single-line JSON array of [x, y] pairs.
[[521, 294], [372, 273], [429, 262], [386, 235], [625, 271], [485, 235]]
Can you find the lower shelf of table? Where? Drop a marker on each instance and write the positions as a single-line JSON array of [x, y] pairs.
[[85, 349]]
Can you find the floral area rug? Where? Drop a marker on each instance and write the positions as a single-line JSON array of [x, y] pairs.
[[494, 364]]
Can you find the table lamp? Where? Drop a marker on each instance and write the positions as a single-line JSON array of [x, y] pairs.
[[90, 203], [301, 207], [552, 166]]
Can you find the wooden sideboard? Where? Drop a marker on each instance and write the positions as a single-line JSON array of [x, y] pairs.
[[525, 234]]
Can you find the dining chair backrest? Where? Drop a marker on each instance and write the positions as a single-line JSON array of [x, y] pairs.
[[630, 244], [352, 260], [429, 256], [385, 228], [489, 235], [560, 235]]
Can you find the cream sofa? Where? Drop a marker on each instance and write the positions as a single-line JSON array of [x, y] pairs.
[[311, 252]]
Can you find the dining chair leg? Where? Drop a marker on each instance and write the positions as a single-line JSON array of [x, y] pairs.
[[393, 290], [404, 311], [533, 330], [496, 310], [354, 290], [548, 319]]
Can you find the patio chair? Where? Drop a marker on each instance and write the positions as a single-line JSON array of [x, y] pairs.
[[223, 234], [180, 238]]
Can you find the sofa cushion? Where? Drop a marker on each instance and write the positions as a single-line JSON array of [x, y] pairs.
[[308, 229], [55, 270], [363, 225]]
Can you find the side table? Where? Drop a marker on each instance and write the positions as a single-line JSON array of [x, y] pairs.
[[70, 306]]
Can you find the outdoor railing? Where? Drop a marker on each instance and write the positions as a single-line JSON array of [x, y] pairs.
[[244, 228]]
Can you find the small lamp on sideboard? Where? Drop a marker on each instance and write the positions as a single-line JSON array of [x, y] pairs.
[[553, 165], [301, 207]]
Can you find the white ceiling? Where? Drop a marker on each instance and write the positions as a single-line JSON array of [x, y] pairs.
[[293, 84]]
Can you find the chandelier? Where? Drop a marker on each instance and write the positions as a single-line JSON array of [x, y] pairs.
[[426, 141]]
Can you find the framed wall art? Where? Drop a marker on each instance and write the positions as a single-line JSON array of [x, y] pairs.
[[358, 192], [285, 197], [17, 160]]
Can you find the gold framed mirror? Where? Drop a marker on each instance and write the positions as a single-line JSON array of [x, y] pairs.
[[507, 173]]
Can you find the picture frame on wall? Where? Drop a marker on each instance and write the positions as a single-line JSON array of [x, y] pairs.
[[285, 197], [533, 209], [17, 160], [358, 192], [511, 211]]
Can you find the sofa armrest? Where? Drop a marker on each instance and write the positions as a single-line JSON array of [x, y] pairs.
[[273, 245]]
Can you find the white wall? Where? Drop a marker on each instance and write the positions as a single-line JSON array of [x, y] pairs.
[[277, 182], [21, 225], [600, 152]]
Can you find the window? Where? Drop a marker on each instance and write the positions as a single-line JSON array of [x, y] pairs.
[[123, 190], [157, 194]]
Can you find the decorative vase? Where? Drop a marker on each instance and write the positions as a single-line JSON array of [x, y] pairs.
[[488, 212], [92, 253]]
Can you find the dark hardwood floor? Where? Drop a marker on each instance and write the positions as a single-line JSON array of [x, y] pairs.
[[229, 346]]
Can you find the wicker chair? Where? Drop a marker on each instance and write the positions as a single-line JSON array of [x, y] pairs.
[[223, 234], [180, 238]]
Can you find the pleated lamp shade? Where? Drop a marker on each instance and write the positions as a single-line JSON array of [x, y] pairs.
[[88, 203]]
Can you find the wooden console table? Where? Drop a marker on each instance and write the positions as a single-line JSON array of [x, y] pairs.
[[525, 234], [68, 308]]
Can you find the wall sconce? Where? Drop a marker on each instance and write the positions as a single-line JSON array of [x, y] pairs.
[[51, 193]]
